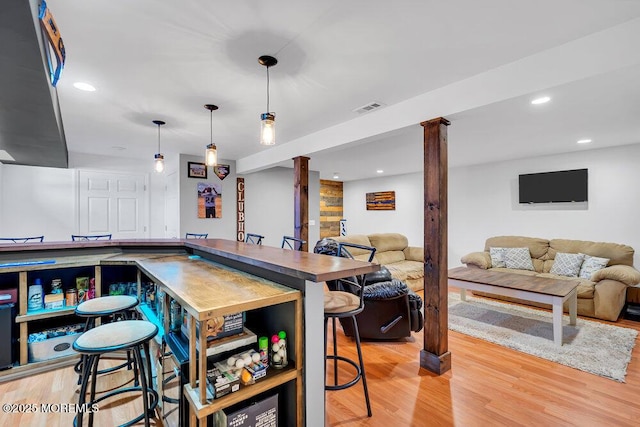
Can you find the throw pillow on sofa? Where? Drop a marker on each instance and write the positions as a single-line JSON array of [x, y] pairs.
[[518, 258], [566, 264], [497, 257], [592, 264]]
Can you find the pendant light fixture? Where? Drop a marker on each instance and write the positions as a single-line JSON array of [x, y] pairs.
[[211, 154], [159, 158], [268, 119]]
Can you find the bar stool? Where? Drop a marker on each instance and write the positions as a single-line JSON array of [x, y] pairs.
[[292, 243], [105, 306], [131, 335], [254, 239], [345, 299]]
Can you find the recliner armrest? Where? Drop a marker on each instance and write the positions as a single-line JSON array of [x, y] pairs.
[[622, 273], [477, 259]]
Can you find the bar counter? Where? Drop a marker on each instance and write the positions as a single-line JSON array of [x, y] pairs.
[[213, 277]]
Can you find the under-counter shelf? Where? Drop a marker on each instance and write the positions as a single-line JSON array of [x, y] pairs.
[[273, 379], [45, 313]]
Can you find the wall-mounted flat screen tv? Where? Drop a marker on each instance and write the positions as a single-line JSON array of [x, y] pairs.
[[551, 187]]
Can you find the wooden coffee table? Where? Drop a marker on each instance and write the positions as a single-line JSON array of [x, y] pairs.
[[530, 288]]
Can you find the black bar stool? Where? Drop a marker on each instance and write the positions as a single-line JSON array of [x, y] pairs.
[[196, 235], [254, 239], [292, 243], [105, 306], [131, 335], [345, 299]]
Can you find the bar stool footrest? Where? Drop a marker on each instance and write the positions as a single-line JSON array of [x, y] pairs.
[[348, 384]]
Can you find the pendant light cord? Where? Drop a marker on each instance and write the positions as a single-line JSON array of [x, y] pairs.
[[268, 111], [211, 124], [158, 139]]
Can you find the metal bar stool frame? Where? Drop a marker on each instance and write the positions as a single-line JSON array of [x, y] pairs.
[[90, 323], [292, 243], [348, 286], [22, 239], [145, 381], [196, 235], [84, 237], [252, 238]]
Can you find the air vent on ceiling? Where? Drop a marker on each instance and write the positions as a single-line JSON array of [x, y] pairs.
[[368, 107]]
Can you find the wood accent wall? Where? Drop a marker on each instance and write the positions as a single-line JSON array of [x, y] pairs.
[[331, 209]]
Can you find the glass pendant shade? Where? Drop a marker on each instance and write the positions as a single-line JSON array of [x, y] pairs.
[[159, 163], [158, 157], [211, 155], [268, 129]]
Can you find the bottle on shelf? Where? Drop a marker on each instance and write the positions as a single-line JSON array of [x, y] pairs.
[[35, 295]]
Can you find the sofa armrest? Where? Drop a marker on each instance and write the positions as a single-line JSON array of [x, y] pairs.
[[413, 253], [622, 273], [477, 259]]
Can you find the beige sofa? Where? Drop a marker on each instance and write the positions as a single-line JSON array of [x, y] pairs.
[[602, 297], [405, 262]]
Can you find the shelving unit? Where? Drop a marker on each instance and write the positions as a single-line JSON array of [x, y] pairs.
[[206, 290]]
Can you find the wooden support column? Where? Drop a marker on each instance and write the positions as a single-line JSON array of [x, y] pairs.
[[301, 199], [435, 355]]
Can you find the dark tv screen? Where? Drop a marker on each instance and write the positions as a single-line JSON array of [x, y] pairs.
[[549, 187]]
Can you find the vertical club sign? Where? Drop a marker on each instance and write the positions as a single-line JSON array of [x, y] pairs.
[[240, 209]]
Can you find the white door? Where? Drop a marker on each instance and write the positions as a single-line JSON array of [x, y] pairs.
[[112, 203]]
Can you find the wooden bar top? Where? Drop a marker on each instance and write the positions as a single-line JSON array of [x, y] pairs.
[[207, 289], [301, 265], [505, 279]]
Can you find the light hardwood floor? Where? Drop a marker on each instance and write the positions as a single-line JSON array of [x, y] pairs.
[[488, 385]]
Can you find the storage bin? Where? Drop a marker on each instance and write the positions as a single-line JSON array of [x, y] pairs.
[[51, 348]]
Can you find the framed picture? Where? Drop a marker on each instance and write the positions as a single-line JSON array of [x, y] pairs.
[[381, 201], [197, 170]]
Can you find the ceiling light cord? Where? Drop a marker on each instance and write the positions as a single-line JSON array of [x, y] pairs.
[[268, 111], [158, 137]]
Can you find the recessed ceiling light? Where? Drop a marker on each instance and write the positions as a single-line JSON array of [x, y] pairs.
[[584, 141], [379, 171], [335, 175], [541, 100], [84, 86], [118, 148]]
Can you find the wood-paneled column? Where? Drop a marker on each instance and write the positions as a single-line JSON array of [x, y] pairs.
[[435, 355], [301, 199]]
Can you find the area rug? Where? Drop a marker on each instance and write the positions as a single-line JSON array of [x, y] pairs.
[[593, 347]]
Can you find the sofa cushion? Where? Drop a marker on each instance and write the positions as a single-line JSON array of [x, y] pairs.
[[389, 257], [518, 258], [566, 264], [384, 242], [497, 257], [591, 264], [406, 270], [617, 253], [537, 247]]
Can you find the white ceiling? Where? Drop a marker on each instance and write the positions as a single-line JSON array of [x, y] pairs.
[[165, 60]]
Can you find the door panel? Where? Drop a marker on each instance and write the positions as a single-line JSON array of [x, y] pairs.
[[112, 203]]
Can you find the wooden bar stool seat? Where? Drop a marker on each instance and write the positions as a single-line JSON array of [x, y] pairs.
[[131, 335]]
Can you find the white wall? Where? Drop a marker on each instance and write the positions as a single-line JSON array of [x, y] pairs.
[[269, 205], [37, 201], [406, 219], [483, 202], [222, 228]]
